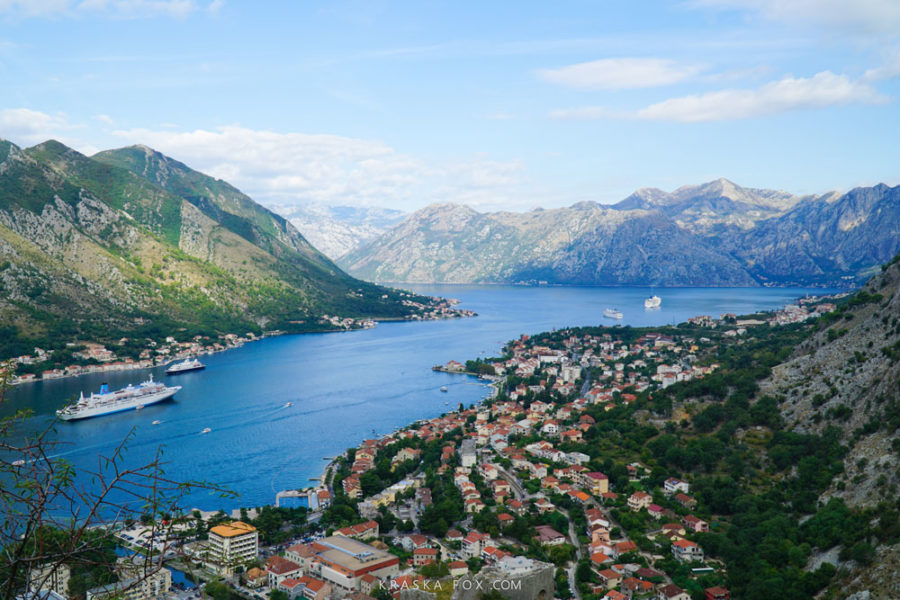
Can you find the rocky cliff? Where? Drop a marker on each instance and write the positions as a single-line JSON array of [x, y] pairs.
[[843, 381]]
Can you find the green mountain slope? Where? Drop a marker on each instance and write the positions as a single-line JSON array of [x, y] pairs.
[[90, 249]]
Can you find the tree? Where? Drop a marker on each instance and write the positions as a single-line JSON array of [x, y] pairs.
[[49, 516]]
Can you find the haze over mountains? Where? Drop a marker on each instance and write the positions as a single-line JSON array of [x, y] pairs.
[[714, 234], [130, 239], [337, 230]]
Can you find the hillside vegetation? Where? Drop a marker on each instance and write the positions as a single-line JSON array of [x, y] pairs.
[[132, 243]]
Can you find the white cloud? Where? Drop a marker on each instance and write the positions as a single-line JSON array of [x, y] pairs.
[[790, 93], [293, 168], [620, 73], [889, 68], [27, 127], [123, 9], [859, 16]]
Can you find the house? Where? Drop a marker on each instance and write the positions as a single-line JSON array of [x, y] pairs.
[[544, 506], [686, 551], [598, 559], [458, 568], [301, 554], [624, 548], [362, 531], [453, 535], [649, 574], [500, 487], [674, 528], [414, 541], [673, 486], [717, 593], [636, 587], [686, 501], [368, 583], [505, 519], [473, 544], [292, 587], [280, 568], [672, 592], [692, 523], [255, 577], [492, 554], [614, 595], [639, 500], [610, 578], [550, 428], [595, 482], [404, 455], [516, 506], [572, 435], [423, 556], [549, 536], [316, 589], [656, 511]]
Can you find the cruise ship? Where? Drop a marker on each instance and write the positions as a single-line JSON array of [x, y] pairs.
[[128, 398], [652, 302], [188, 364], [612, 313]]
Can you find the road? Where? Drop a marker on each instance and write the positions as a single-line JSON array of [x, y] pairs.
[[579, 553]]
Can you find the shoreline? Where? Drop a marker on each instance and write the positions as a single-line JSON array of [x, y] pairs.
[[139, 365]]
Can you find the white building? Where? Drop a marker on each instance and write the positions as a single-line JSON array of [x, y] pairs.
[[232, 544], [50, 577]]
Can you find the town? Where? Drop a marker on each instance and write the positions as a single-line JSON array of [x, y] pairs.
[[562, 481]]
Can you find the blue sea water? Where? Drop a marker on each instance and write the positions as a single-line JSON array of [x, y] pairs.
[[343, 386]]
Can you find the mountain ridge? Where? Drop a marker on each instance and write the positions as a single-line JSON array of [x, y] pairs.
[[92, 250], [723, 235]]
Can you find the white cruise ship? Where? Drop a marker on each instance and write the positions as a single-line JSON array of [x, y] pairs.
[[652, 302], [128, 398], [612, 313], [188, 364]]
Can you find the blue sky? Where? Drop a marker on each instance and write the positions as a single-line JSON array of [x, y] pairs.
[[501, 105]]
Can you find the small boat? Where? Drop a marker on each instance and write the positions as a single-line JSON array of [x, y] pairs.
[[653, 302], [139, 407], [288, 404], [156, 422], [18, 463], [612, 313], [443, 388], [206, 430]]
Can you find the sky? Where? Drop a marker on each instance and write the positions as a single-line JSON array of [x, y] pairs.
[[498, 105]]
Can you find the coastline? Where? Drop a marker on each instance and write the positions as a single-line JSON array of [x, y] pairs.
[[118, 367]]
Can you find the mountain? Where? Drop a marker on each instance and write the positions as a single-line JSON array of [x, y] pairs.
[[337, 230], [830, 238], [715, 234], [702, 208], [131, 242], [841, 383]]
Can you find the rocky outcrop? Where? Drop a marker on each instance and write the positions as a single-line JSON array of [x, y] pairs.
[[536, 583], [845, 378]]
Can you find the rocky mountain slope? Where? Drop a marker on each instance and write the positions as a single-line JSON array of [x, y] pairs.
[[134, 242], [843, 381], [338, 230], [717, 234]]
